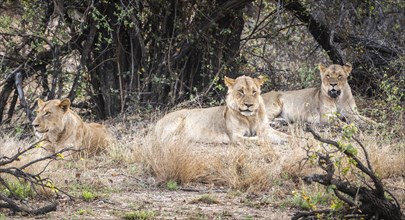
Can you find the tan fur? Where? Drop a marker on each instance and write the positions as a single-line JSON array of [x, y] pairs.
[[60, 127], [243, 117], [315, 105]]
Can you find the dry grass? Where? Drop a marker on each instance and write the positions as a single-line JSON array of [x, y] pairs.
[[253, 168], [10, 145], [386, 156], [176, 161], [243, 169]]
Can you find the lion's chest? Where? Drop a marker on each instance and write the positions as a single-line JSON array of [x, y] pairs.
[[244, 127]]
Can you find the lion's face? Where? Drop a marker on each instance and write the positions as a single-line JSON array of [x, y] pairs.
[[50, 116], [244, 94], [334, 78]]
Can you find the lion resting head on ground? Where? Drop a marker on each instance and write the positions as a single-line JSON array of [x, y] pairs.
[[243, 117], [60, 128], [316, 105]]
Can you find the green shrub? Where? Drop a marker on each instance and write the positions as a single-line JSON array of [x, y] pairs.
[[88, 196], [171, 185], [20, 189]]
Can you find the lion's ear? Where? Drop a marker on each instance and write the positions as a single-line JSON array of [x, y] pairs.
[[40, 102], [64, 104], [347, 68], [259, 80], [229, 82], [322, 68]]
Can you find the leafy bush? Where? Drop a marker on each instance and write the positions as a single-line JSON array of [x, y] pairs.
[[20, 189]]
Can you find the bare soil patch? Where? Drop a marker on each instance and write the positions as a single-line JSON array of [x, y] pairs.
[[117, 192]]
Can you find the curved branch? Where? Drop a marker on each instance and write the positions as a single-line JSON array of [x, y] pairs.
[[19, 77], [35, 180], [372, 201], [7, 89], [10, 204], [359, 164]]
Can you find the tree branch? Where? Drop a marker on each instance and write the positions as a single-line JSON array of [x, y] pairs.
[[19, 77], [371, 202], [319, 31], [358, 164], [33, 179]]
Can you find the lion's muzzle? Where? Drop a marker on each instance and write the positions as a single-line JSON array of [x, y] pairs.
[[37, 128], [333, 93], [247, 112], [247, 109]]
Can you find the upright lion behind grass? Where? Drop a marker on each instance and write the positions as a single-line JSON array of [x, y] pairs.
[[60, 128], [243, 117], [316, 105]]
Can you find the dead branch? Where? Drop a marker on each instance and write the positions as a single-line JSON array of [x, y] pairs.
[[310, 215], [358, 163], [12, 202], [364, 201], [365, 153], [10, 112], [7, 89], [19, 77]]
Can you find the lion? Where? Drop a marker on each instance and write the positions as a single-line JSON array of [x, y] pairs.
[[242, 118], [60, 128], [317, 105]]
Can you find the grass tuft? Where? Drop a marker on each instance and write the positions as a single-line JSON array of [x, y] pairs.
[[207, 199], [139, 215], [177, 162]]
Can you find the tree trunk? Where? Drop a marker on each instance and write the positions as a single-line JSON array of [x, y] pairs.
[[374, 54]]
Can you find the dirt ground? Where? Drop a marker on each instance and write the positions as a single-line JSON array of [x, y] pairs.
[[123, 193], [120, 190]]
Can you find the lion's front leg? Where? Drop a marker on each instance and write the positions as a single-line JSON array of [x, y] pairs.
[[367, 120], [240, 138], [361, 121], [267, 133]]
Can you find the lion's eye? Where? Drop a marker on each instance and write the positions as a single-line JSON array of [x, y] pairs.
[[327, 76], [47, 113], [254, 92], [340, 76], [241, 92]]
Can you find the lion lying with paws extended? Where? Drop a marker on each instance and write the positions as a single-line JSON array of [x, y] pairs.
[[316, 105], [244, 117], [60, 128]]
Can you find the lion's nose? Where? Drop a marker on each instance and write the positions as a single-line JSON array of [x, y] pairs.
[[248, 105], [333, 84]]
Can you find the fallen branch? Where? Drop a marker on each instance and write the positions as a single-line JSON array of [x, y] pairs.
[[363, 201], [12, 201]]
